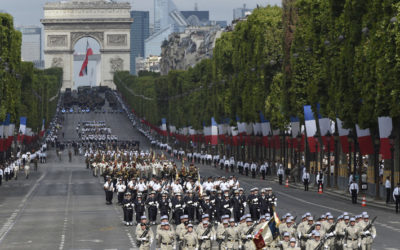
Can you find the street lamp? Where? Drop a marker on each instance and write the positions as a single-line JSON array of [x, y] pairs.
[[350, 142], [376, 167], [336, 138], [392, 142], [328, 138]]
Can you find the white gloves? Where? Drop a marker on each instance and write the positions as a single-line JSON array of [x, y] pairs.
[[249, 236]]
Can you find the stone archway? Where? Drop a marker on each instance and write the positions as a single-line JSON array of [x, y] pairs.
[[66, 22]]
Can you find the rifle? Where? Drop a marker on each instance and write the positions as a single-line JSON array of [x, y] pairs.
[[332, 228], [308, 232], [250, 231], [321, 244], [221, 240], [370, 224], [144, 234], [207, 231]]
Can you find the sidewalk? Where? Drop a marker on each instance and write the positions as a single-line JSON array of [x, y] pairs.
[[345, 195]]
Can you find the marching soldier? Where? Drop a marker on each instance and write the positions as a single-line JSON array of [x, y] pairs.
[[178, 206], [191, 203], [253, 201], [367, 234], [144, 237], [189, 239], [284, 244], [247, 235], [272, 200], [165, 237], [313, 243], [352, 239], [127, 207], [164, 205], [232, 235], [237, 205], [226, 206], [121, 188], [180, 228], [109, 190], [221, 234], [152, 205], [205, 234], [292, 245], [139, 207]]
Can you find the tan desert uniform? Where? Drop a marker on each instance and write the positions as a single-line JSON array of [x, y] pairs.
[[190, 241], [145, 242], [352, 240], [233, 238], [312, 244], [205, 240], [166, 239], [367, 238], [247, 243]]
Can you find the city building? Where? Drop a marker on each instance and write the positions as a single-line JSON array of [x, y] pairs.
[[151, 63], [197, 17], [239, 13], [154, 42], [162, 10], [140, 31], [31, 49]]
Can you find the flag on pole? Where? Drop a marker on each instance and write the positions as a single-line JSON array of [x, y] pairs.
[[311, 128], [385, 129], [84, 67], [343, 137], [364, 141], [234, 132], [214, 132], [267, 233], [164, 127], [265, 129], [22, 128]]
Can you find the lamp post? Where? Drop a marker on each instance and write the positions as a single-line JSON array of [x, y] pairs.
[[376, 167], [316, 152], [350, 141], [328, 138], [336, 138], [298, 138], [392, 138]]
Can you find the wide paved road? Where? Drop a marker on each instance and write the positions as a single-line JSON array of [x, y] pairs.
[[63, 207]]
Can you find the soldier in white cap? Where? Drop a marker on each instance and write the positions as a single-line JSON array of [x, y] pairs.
[[292, 245], [205, 234], [368, 233], [189, 239], [352, 238], [165, 237]]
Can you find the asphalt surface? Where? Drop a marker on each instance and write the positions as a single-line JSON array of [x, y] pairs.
[[62, 206]]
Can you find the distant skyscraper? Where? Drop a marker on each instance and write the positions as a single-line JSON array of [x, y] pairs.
[[139, 33], [31, 49], [197, 17], [162, 19], [240, 12]]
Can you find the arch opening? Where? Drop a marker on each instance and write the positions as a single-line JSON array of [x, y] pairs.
[[86, 74]]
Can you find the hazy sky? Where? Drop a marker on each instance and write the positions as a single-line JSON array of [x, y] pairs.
[[29, 12]]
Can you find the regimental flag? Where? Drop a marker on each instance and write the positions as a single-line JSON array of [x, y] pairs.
[[364, 141], [267, 233], [214, 132], [164, 127], [84, 67], [265, 129], [311, 128], [385, 129]]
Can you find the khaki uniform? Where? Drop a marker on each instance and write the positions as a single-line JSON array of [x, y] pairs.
[[340, 233], [190, 241], [367, 238], [221, 236], [284, 244], [302, 232], [145, 241], [312, 244], [166, 239], [205, 240], [247, 243], [353, 239], [325, 225], [330, 243], [233, 238], [292, 231], [178, 231], [292, 248]]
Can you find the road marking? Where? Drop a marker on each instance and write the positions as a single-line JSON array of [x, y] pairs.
[[6, 228], [95, 241], [64, 230]]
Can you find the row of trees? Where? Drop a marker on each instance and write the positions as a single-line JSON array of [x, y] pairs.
[[342, 54], [24, 90]]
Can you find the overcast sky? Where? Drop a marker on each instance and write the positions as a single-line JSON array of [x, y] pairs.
[[29, 12]]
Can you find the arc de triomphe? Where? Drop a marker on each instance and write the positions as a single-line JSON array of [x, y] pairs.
[[108, 23]]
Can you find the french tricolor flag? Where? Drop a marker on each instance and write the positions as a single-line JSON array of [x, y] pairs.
[[42, 130], [11, 128], [311, 127], [325, 127], [164, 127], [385, 129], [1, 137], [295, 129], [265, 129], [207, 133], [364, 141], [22, 128], [234, 133], [214, 132], [343, 137], [276, 140]]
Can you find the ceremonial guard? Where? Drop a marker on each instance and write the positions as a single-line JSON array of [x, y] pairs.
[[232, 235], [205, 234], [237, 206], [254, 204], [352, 238], [189, 239], [222, 234], [208, 208], [178, 206], [109, 189], [144, 237], [164, 205], [152, 204], [247, 235], [140, 208], [191, 204], [165, 237], [127, 207], [368, 233]]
